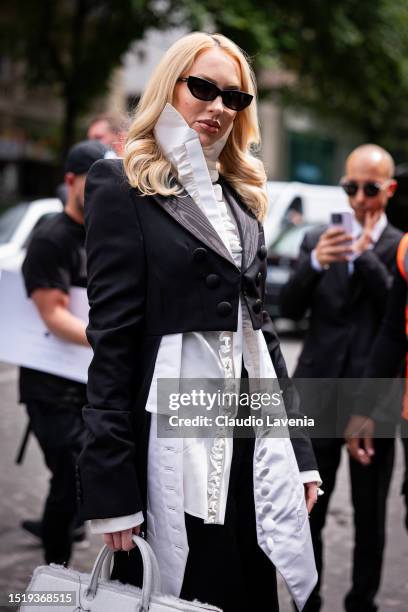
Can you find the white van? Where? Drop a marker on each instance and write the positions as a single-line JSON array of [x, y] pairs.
[[318, 201], [16, 227]]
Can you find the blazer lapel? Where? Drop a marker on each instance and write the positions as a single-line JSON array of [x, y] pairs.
[[187, 213], [383, 243], [247, 225]]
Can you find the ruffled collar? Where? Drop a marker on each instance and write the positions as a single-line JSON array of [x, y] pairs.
[[196, 170], [181, 145]]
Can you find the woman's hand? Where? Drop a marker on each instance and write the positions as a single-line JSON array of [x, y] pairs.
[[310, 495], [121, 540]]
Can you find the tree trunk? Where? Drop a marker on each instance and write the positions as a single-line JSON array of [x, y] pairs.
[[72, 107], [69, 122]]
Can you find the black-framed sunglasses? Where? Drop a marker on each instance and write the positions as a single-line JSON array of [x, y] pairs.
[[371, 188], [205, 90]]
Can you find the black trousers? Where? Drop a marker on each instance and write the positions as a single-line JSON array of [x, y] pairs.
[[369, 489], [225, 566], [59, 430]]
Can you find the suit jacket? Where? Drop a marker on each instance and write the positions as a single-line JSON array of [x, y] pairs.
[[155, 267], [345, 310]]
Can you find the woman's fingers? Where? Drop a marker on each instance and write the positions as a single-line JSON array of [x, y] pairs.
[[127, 543], [120, 540], [312, 499], [108, 540], [117, 540], [311, 495]]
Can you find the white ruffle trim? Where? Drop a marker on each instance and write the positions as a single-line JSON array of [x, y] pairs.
[[181, 162]]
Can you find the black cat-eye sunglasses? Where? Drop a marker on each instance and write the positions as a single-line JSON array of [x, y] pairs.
[[205, 90]]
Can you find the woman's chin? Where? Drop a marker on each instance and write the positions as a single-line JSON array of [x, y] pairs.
[[207, 140]]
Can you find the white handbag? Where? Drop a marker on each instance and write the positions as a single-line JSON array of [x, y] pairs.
[[95, 592]]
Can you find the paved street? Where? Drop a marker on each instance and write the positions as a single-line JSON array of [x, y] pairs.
[[23, 489]]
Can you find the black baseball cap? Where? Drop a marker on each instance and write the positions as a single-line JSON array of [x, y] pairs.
[[83, 154]]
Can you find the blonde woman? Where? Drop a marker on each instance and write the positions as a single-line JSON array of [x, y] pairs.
[[176, 272]]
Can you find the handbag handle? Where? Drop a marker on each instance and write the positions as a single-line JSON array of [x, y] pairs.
[[151, 573], [106, 566]]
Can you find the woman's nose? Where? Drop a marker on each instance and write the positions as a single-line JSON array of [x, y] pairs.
[[217, 104]]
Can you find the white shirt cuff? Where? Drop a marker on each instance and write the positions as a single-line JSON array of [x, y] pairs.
[[314, 262], [118, 523], [311, 476]]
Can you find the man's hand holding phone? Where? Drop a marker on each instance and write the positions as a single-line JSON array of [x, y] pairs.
[[335, 244]]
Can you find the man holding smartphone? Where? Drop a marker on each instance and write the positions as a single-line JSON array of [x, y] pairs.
[[343, 276]]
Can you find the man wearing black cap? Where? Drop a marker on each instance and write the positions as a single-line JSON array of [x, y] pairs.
[[54, 263]]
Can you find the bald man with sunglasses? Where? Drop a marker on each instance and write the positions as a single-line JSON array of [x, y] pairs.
[[343, 280]]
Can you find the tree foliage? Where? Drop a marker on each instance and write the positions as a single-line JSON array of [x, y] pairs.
[[348, 57], [73, 45]]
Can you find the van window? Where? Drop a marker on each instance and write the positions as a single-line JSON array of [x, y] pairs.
[[288, 243]]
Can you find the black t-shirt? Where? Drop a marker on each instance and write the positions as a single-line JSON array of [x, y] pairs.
[[55, 260]]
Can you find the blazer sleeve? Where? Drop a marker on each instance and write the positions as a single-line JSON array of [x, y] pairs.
[[296, 295], [301, 443], [116, 292]]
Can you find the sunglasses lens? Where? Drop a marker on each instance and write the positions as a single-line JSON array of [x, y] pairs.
[[350, 188], [236, 100], [202, 90], [371, 190]]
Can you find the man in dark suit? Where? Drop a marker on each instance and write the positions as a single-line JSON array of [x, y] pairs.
[[344, 280]]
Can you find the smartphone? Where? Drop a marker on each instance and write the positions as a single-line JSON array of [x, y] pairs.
[[343, 220]]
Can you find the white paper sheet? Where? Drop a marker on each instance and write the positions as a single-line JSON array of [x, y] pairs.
[[26, 341]]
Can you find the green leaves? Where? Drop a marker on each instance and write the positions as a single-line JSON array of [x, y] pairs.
[[348, 59]]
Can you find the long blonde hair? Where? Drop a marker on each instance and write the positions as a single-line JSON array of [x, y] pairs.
[[146, 167]]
